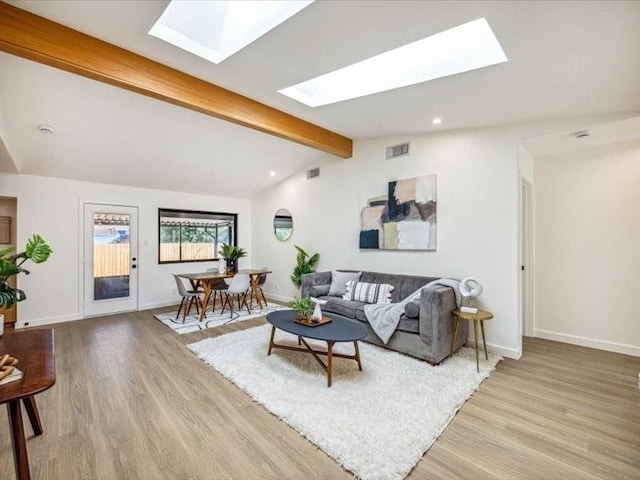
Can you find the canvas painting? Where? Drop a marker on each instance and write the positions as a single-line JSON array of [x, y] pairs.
[[399, 215]]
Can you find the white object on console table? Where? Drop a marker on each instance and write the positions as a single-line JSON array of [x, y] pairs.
[[468, 310]]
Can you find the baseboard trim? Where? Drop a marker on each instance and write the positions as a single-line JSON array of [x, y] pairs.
[[499, 349], [38, 322], [170, 303], [277, 298], [589, 342]]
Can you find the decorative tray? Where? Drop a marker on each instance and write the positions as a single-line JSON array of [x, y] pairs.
[[313, 323]]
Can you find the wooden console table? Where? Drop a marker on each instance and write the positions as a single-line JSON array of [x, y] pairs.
[[34, 350]]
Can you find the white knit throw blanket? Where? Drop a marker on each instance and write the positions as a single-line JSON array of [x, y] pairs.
[[384, 317]]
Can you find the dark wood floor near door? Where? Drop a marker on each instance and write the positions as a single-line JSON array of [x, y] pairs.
[[132, 402]]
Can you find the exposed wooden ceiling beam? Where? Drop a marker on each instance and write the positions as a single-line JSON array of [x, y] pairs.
[[36, 38]]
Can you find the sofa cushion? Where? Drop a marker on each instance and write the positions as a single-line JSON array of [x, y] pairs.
[[411, 325], [339, 282], [346, 308], [406, 324], [368, 292], [405, 284], [319, 290], [412, 309]]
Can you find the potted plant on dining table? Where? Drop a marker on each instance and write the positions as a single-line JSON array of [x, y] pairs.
[[231, 254]]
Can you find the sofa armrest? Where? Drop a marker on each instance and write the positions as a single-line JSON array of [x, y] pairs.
[[437, 322], [310, 280]]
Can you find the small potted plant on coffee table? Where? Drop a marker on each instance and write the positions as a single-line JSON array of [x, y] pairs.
[[303, 308]]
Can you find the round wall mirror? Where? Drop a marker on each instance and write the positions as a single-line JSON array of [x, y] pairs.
[[283, 225]]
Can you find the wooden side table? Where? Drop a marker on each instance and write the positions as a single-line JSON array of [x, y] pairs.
[[34, 350], [479, 316]]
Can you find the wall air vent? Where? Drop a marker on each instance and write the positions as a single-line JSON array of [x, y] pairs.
[[313, 173], [395, 151]]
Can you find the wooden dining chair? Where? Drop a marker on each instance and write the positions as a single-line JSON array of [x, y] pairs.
[[240, 286]]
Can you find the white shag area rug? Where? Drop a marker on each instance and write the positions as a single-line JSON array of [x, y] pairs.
[[215, 319], [376, 423]]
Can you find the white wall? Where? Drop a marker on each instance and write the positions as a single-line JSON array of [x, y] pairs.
[[525, 163], [51, 207], [477, 189], [588, 247]]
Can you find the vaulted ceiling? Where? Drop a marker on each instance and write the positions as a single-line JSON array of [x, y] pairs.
[[566, 60]]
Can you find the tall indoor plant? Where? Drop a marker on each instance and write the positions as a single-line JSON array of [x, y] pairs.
[[231, 254], [11, 263], [305, 263]]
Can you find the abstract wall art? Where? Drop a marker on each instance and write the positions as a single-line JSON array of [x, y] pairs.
[[399, 215]]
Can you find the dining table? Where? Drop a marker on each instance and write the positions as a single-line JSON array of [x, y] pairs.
[[207, 279]]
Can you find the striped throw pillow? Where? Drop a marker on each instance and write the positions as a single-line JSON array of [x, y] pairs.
[[368, 292]]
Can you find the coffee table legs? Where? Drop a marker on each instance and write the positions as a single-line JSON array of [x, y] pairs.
[[355, 346], [329, 362], [328, 367], [17, 439], [271, 344]]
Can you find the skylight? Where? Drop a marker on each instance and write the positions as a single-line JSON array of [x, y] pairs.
[[467, 47], [215, 30]]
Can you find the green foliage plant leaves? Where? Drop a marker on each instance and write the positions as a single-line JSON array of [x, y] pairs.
[[36, 250], [231, 252], [305, 264], [302, 306]]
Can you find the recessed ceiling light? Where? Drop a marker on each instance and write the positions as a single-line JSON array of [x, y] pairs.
[[272, 173], [437, 121], [460, 49], [215, 30]]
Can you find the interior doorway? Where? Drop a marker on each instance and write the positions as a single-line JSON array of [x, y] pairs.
[[8, 234], [110, 259], [526, 258]]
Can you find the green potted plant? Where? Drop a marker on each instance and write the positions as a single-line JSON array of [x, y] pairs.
[[231, 254], [305, 263], [11, 263], [302, 307]]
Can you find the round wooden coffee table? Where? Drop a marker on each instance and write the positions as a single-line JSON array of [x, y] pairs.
[[338, 330]]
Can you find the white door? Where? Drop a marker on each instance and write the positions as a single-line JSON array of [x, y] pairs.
[[110, 259]]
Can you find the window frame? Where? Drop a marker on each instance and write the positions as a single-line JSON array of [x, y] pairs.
[[216, 258]]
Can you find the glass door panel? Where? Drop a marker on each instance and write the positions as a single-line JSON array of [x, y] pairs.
[[110, 258]]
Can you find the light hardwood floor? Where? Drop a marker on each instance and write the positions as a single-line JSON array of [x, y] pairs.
[[131, 402]]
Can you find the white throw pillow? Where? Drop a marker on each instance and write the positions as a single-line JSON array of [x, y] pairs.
[[368, 292], [339, 282]]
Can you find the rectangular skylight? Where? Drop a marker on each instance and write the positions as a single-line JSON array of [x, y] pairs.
[[215, 30], [460, 49]]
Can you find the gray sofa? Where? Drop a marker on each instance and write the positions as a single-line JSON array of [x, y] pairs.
[[425, 330]]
